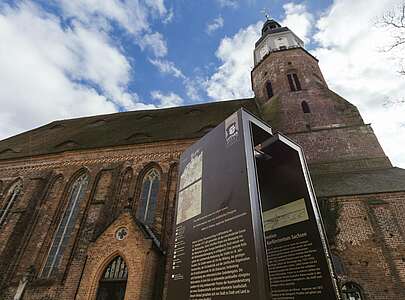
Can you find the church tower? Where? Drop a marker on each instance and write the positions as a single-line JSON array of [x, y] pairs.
[[294, 98]]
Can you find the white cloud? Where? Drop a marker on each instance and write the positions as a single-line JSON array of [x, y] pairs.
[[155, 42], [167, 67], [53, 71], [169, 17], [215, 24], [133, 16], [228, 3], [232, 78], [156, 5], [111, 78], [48, 72], [193, 87], [350, 58], [166, 100], [298, 19]]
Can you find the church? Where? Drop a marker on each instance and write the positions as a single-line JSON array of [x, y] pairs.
[[87, 204]]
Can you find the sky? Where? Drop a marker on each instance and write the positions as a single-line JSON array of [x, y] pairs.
[[72, 58]]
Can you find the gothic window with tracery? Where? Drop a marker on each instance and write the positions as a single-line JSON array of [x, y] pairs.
[[10, 199], [351, 291], [65, 226], [148, 197], [113, 282]]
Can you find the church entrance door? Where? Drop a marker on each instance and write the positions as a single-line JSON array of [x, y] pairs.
[[111, 290], [113, 283]]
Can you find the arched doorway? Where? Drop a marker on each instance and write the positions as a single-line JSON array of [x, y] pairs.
[[113, 282]]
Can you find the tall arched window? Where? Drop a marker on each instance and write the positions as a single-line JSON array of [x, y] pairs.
[[351, 291], [65, 226], [148, 197], [305, 107], [124, 186], [10, 199], [293, 81], [113, 282], [269, 89]]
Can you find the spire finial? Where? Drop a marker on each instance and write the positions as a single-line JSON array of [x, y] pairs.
[[266, 13]]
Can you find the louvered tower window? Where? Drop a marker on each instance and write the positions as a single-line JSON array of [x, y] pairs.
[[293, 81], [10, 199], [65, 226], [113, 282], [148, 197]]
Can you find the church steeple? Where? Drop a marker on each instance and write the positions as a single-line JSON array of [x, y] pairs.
[[289, 86], [275, 37], [293, 97]]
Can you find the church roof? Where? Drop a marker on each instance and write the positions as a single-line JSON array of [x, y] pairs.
[[356, 183], [185, 122], [124, 128]]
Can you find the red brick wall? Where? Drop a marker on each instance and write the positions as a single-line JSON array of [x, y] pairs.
[[111, 193], [370, 241], [339, 144], [326, 107], [332, 131]]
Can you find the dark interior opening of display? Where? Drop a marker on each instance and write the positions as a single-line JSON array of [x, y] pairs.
[[279, 174], [293, 242]]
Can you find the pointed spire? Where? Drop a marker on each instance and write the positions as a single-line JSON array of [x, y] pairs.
[[266, 13]]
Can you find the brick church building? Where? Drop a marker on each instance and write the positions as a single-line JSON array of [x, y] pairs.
[[87, 204]]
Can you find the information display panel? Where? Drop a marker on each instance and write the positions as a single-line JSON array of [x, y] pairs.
[[214, 255], [225, 236], [297, 253]]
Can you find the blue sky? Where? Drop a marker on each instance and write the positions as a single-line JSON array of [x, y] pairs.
[[71, 58]]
